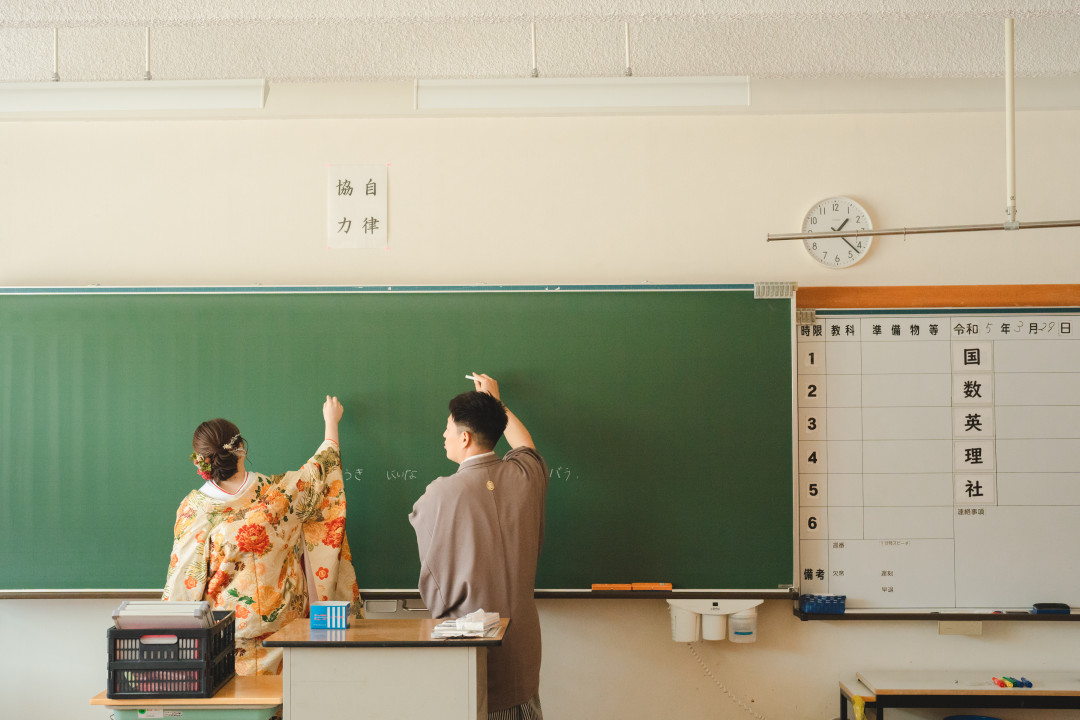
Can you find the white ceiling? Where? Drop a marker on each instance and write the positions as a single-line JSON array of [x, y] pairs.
[[297, 41]]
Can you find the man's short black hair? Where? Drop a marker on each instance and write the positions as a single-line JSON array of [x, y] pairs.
[[481, 414]]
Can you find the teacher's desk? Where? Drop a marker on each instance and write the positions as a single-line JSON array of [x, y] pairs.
[[383, 669]]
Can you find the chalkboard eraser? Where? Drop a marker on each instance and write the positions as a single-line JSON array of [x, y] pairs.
[[1050, 609], [612, 586], [652, 586]]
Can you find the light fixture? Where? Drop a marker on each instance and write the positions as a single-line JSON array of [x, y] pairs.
[[133, 95], [128, 95], [583, 93]]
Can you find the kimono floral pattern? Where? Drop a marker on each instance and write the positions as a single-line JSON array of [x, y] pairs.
[[247, 554]]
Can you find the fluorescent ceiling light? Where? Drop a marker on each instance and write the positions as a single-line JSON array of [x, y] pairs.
[[583, 93], [133, 95]]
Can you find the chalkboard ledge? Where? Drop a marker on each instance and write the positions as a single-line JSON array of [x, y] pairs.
[[76, 594], [145, 594], [573, 594], [670, 594]]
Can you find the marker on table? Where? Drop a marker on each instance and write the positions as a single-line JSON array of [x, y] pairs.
[[999, 682]]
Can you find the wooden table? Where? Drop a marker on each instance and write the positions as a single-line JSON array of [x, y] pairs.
[[256, 692], [958, 689], [383, 669]]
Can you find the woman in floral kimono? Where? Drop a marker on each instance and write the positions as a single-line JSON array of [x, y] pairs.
[[264, 546]]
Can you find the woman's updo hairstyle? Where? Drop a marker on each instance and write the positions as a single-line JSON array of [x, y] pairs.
[[210, 440]]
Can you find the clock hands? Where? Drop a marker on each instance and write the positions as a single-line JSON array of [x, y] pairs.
[[838, 229]]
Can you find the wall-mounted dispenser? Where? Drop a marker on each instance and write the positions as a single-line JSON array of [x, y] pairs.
[[693, 620]]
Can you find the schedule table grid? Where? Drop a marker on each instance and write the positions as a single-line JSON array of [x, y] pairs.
[[927, 438]]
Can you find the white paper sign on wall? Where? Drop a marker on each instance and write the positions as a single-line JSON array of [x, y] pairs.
[[357, 202]]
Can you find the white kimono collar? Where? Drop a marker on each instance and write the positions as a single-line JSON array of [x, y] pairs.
[[212, 489]]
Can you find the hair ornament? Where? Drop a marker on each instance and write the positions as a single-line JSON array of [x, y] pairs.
[[236, 448], [202, 465]]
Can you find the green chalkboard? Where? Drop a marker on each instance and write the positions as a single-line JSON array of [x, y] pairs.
[[664, 415]]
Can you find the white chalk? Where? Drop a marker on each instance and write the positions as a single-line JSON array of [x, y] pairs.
[[471, 377]]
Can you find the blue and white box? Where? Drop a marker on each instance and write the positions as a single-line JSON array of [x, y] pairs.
[[333, 615]]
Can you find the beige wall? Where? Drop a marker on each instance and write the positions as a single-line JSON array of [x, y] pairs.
[[530, 200], [545, 200], [602, 659]]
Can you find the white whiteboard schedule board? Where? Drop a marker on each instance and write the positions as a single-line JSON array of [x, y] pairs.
[[939, 457]]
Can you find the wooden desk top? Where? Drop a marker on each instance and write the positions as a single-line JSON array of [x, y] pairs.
[[376, 633], [968, 682], [241, 691]]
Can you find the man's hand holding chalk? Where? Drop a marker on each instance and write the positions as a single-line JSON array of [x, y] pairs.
[[485, 383]]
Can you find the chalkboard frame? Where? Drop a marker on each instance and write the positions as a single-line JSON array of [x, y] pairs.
[[263, 290]]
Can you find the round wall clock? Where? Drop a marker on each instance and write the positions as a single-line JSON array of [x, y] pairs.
[[836, 214]]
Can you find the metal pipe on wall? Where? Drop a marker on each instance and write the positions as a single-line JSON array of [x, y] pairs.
[[1010, 178], [1010, 125]]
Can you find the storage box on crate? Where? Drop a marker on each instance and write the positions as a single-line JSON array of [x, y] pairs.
[[172, 662], [332, 615]]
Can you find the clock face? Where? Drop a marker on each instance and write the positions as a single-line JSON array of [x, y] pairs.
[[836, 214]]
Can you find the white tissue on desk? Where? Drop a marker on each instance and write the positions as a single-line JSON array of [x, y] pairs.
[[475, 624]]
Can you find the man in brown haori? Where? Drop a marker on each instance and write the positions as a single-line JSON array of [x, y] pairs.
[[479, 532]]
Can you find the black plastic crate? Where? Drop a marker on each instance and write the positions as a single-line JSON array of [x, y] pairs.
[[172, 662]]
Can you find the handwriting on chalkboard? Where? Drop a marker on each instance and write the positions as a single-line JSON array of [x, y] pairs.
[[357, 474], [562, 472]]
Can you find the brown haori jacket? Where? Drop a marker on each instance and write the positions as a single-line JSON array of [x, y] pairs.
[[479, 532]]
